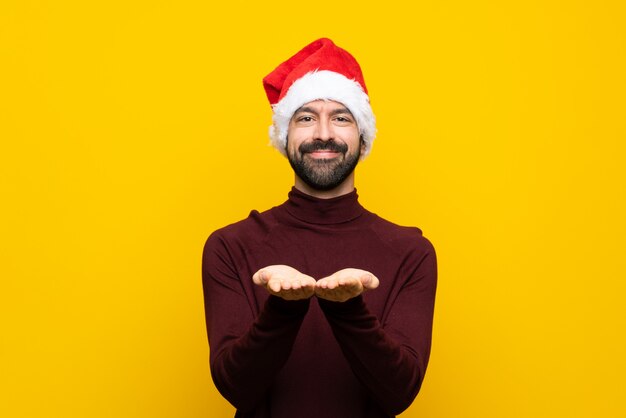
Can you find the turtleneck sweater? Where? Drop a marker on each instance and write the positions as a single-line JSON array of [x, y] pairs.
[[365, 357]]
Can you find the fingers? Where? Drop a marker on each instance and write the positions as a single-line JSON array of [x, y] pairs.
[[338, 289], [333, 283], [274, 285], [285, 282], [327, 283], [339, 293]]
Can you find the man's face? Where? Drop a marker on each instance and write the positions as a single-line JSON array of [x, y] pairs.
[[323, 144]]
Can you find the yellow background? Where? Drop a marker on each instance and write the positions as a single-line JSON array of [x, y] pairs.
[[131, 130]]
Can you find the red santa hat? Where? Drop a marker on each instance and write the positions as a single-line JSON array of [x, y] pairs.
[[321, 70]]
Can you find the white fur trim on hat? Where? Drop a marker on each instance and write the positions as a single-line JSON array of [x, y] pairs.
[[326, 85]]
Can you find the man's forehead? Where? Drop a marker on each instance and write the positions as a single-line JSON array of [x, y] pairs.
[[317, 105]]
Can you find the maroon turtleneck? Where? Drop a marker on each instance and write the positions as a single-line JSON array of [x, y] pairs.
[[365, 357]]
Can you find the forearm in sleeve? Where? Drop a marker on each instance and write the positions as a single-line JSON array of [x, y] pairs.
[[392, 372], [244, 368]]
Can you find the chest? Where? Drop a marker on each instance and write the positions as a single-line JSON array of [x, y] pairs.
[[319, 253]]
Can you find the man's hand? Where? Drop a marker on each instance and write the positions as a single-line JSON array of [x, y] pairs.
[[285, 282], [345, 284]]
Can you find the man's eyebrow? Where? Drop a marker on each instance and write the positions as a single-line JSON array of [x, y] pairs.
[[305, 109], [339, 111]]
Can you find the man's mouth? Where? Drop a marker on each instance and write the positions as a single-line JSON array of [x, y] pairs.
[[323, 154], [323, 151]]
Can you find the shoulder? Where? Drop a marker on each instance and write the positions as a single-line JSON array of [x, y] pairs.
[[254, 227], [226, 247], [402, 238]]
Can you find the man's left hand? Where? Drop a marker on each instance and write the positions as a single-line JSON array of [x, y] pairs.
[[345, 284]]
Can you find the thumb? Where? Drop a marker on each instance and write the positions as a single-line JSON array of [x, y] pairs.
[[261, 277], [369, 281], [366, 279]]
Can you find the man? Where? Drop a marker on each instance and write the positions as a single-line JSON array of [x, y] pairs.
[[317, 307]]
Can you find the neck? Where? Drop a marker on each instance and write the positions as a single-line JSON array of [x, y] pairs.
[[347, 186]]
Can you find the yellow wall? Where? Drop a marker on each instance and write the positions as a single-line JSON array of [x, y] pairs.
[[129, 130]]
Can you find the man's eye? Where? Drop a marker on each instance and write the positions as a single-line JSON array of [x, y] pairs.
[[305, 119], [342, 119]]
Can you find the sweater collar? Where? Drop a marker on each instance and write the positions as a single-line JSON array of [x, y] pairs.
[[314, 210]]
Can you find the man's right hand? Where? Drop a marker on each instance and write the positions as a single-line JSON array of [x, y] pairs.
[[285, 282]]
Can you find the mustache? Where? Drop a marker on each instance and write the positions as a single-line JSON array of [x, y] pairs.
[[323, 145]]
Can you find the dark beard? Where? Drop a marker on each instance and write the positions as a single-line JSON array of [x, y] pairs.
[[323, 174]]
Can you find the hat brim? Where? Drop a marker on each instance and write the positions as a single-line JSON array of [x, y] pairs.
[[323, 85]]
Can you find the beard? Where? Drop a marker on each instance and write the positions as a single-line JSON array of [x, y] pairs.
[[326, 173]]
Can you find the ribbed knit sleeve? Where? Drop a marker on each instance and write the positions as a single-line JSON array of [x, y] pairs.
[[390, 359], [246, 352]]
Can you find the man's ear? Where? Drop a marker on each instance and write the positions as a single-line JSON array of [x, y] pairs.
[[362, 143]]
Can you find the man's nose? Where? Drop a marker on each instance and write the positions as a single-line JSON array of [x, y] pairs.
[[324, 130]]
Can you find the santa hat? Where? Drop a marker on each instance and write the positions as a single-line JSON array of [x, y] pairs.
[[321, 70]]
